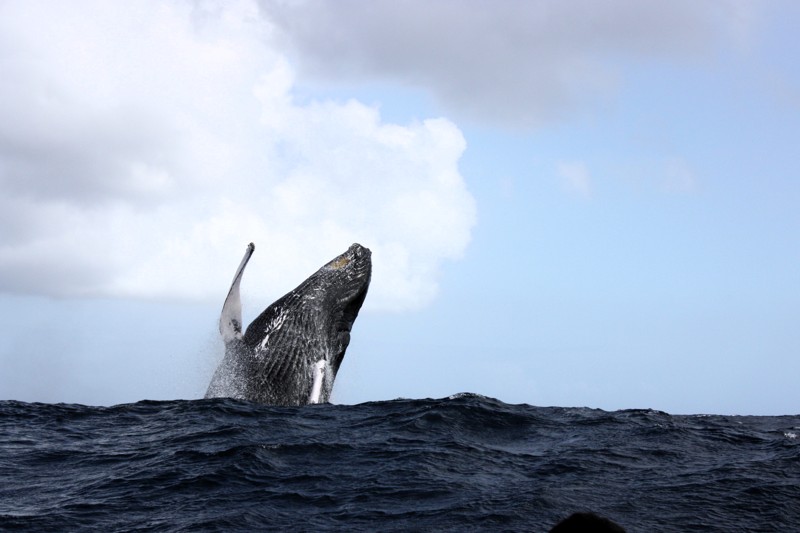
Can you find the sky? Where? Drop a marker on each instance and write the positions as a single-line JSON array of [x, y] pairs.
[[568, 203]]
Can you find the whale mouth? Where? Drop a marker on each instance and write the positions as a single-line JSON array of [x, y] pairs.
[[351, 309], [344, 324], [349, 304], [359, 261]]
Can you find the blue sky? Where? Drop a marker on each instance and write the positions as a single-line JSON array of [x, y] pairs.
[[567, 204]]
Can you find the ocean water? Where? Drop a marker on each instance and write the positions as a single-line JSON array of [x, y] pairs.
[[465, 463]]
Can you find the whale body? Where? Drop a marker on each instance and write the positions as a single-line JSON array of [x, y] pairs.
[[291, 353]]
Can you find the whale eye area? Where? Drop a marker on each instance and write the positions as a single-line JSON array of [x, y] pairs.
[[339, 262]]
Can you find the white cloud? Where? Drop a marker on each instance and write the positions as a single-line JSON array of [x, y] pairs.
[[575, 177], [144, 144], [515, 63]]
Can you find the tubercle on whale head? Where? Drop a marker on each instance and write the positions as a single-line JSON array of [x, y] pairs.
[[343, 284], [340, 283], [356, 252]]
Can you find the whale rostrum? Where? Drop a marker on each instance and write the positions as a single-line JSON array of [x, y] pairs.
[[291, 353]]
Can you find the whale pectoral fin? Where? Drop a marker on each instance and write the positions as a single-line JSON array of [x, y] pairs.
[[230, 321]]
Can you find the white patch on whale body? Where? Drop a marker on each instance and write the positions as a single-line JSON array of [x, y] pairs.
[[319, 373], [273, 326]]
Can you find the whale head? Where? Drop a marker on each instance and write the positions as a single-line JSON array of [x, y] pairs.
[[342, 285]]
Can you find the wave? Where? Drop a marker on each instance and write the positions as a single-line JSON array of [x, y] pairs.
[[462, 462]]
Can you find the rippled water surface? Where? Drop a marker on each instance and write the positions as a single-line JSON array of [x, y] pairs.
[[465, 463]]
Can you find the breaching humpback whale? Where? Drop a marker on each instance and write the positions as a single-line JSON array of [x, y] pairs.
[[291, 353]]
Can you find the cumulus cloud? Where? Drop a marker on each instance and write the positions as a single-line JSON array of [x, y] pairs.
[[144, 144], [514, 63]]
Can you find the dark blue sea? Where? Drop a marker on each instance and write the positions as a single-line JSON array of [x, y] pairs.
[[465, 463]]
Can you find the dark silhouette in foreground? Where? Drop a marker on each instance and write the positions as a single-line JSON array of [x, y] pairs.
[[586, 523]]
